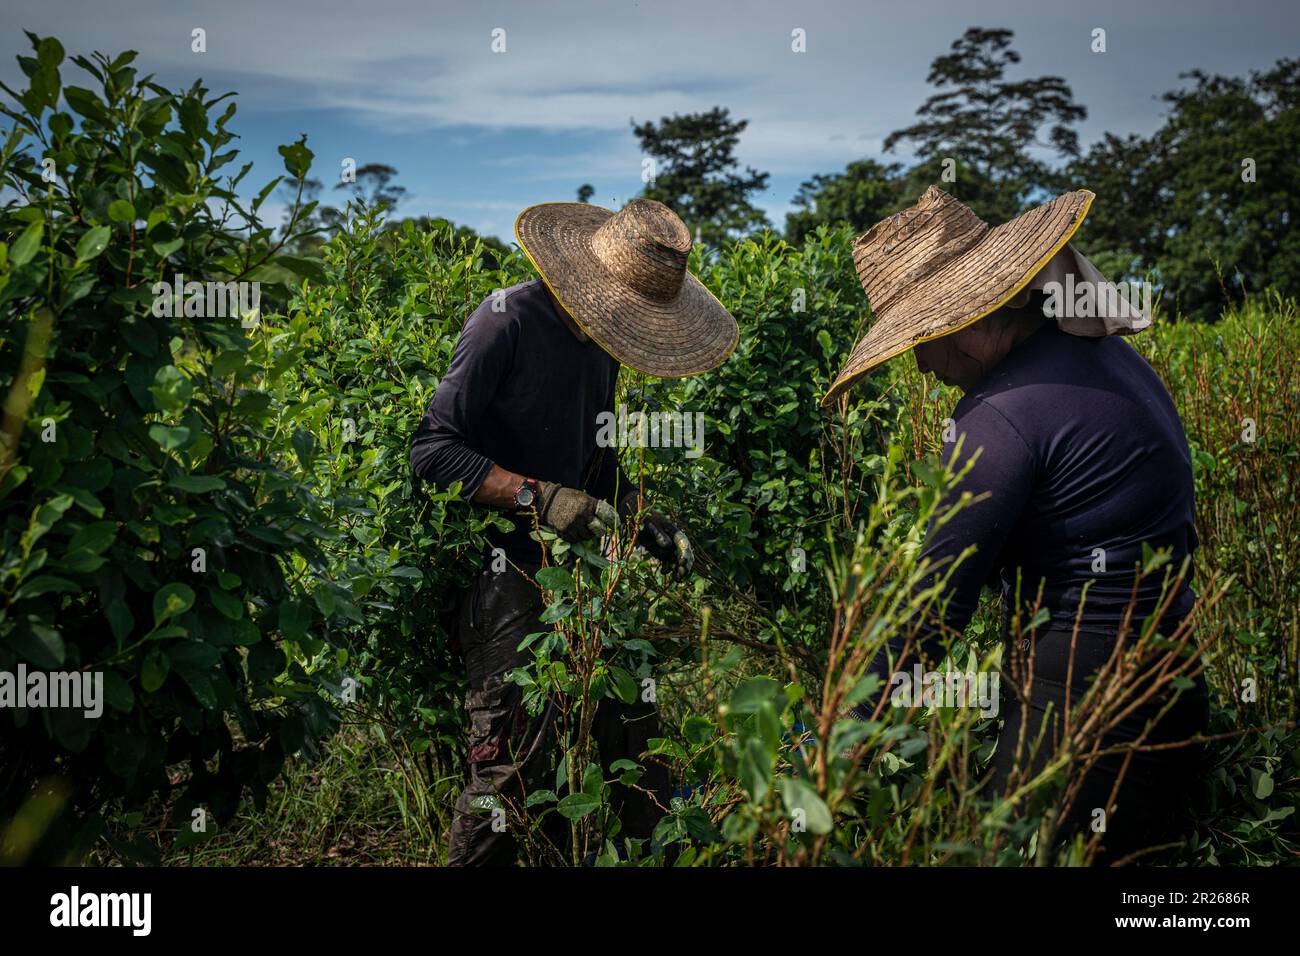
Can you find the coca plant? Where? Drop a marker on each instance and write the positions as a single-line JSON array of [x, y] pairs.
[[363, 352], [154, 530]]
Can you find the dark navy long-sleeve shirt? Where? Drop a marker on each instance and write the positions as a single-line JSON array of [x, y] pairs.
[[524, 393], [1084, 459]]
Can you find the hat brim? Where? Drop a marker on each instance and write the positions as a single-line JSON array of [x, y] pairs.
[[691, 333], [973, 285]]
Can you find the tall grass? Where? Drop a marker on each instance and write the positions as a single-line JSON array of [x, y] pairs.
[[1237, 388]]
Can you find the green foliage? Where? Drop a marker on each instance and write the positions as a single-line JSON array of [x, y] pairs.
[[361, 354], [1236, 385], [132, 437], [775, 471], [154, 531], [987, 125], [1208, 201], [865, 193], [698, 176]]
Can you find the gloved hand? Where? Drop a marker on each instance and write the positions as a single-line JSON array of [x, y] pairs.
[[575, 515], [664, 540]]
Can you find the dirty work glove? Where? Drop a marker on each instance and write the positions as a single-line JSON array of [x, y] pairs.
[[575, 515], [660, 537]]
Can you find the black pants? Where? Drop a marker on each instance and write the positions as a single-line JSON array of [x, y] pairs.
[[510, 751], [1157, 787]]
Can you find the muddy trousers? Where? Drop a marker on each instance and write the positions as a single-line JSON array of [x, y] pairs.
[[510, 751], [1156, 789]]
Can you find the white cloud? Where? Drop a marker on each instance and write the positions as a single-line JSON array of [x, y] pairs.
[[583, 67], [574, 65]]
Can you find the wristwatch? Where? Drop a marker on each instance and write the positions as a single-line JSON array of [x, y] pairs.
[[527, 493]]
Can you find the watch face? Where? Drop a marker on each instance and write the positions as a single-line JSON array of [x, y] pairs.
[[524, 496]]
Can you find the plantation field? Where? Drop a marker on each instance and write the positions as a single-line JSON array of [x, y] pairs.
[[219, 516], [781, 476]]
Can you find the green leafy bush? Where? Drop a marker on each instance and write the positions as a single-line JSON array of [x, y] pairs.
[[155, 529], [363, 351]]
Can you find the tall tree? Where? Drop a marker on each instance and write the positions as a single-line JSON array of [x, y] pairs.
[[697, 175], [987, 126], [1210, 203], [862, 195], [585, 192], [374, 186]]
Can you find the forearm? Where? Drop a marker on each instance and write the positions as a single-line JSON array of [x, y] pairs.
[[498, 488]]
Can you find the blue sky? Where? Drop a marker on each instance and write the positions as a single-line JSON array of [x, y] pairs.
[[477, 135]]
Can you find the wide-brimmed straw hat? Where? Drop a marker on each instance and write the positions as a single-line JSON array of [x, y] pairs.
[[623, 278], [937, 267]]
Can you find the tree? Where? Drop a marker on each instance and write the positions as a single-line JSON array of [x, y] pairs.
[[373, 186], [1123, 235], [697, 175], [1208, 203], [986, 125], [154, 535], [585, 192], [862, 195]]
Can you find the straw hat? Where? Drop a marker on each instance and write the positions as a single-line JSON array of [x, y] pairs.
[[937, 267], [622, 276]]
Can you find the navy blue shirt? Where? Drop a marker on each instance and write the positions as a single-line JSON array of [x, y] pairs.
[[522, 392], [1082, 449]]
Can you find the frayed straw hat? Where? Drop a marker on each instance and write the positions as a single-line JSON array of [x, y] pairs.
[[937, 267], [622, 276]]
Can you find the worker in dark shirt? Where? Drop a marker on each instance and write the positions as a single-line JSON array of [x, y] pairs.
[[520, 400], [515, 423], [1075, 448], [1084, 461]]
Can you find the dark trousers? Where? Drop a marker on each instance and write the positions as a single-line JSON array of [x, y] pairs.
[[510, 751], [1157, 788]]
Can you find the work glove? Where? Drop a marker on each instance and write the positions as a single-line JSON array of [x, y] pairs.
[[575, 515], [667, 543]]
